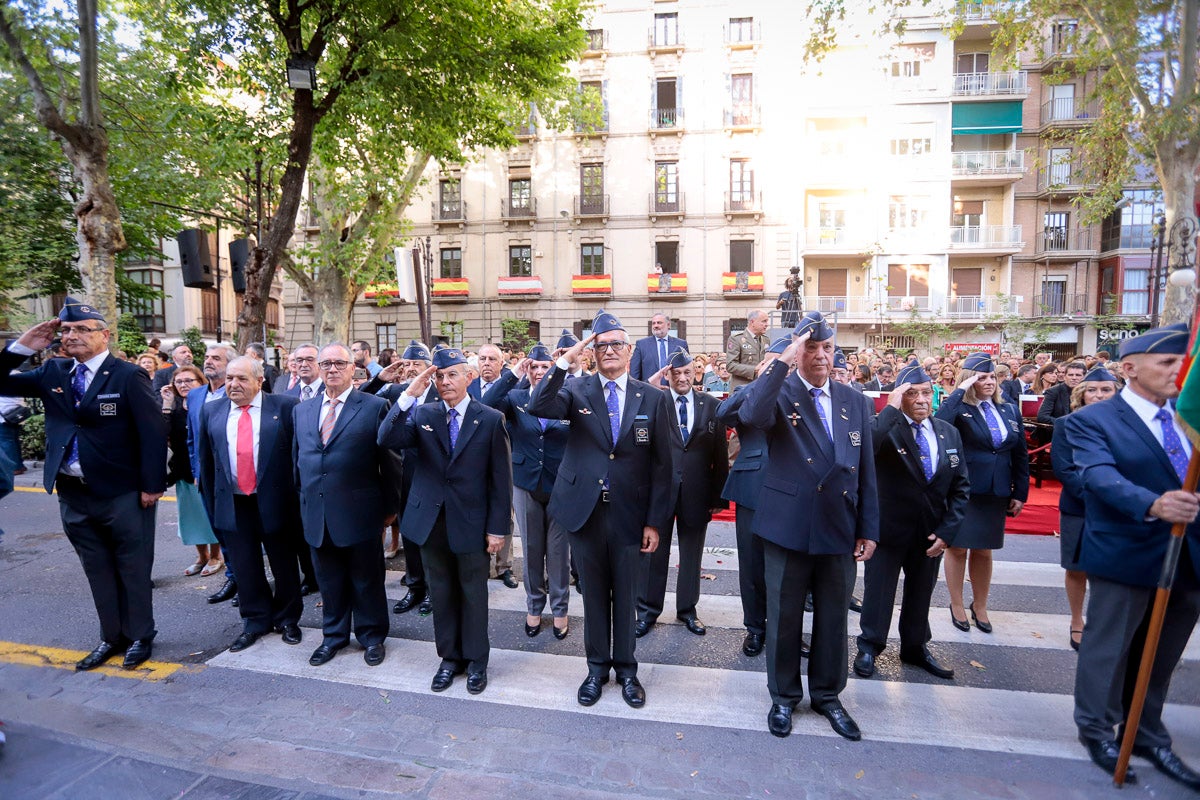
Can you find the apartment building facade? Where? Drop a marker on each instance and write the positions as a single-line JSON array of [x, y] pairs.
[[911, 182]]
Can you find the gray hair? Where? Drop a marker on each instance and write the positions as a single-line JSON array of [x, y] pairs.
[[332, 345], [257, 348], [755, 315], [300, 347], [256, 367], [230, 352]]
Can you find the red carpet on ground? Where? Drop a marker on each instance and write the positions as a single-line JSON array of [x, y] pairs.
[[1038, 517]]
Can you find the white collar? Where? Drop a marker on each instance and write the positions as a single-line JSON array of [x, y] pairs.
[[677, 395], [460, 406], [809, 386], [926, 425], [93, 363], [622, 381], [341, 398], [1145, 409], [255, 403]]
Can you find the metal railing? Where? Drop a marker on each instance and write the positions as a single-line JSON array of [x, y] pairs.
[[522, 210], [449, 212], [591, 205], [988, 162], [906, 304], [1061, 304], [1067, 109], [985, 236], [743, 34], [743, 116], [1063, 240], [667, 203], [743, 202], [668, 39], [836, 237], [970, 84], [980, 305], [666, 118]]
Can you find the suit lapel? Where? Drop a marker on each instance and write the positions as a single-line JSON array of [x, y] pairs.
[[220, 420], [98, 380], [910, 454], [441, 429], [1135, 423], [595, 396], [466, 429], [633, 404], [840, 424], [801, 402]]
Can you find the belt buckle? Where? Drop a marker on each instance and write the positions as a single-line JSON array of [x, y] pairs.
[[604, 495]]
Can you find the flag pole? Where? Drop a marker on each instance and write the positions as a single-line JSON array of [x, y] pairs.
[[1166, 580]]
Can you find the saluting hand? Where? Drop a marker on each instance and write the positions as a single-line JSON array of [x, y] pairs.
[[657, 378], [897, 394], [391, 372], [788, 356], [649, 539], [522, 368], [420, 384], [41, 335], [573, 353], [967, 383]]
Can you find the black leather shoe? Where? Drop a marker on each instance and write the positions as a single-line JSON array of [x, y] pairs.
[[805, 649], [324, 654], [694, 625], [291, 633], [985, 627], [442, 679], [779, 720], [1104, 754], [641, 628], [752, 645], [864, 664], [226, 592], [533, 630], [1169, 764], [236, 601], [561, 633], [244, 640], [103, 652], [841, 721], [409, 601], [307, 588], [374, 654], [589, 690], [476, 682], [138, 653], [632, 691], [925, 661], [510, 581], [426, 607], [962, 624], [855, 604]]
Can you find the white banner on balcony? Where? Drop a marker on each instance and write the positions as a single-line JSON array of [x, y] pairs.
[[405, 280]]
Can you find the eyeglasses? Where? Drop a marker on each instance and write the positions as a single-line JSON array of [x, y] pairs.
[[183, 381], [338, 365], [78, 330], [615, 347]]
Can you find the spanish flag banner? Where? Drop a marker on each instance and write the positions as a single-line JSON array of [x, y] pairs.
[[591, 284], [666, 282], [742, 282], [450, 287]]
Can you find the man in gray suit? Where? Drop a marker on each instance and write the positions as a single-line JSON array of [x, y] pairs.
[[343, 503]]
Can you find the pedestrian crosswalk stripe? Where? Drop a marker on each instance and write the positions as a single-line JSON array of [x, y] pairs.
[[994, 720], [1011, 628]]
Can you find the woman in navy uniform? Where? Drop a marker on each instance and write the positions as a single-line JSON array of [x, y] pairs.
[[998, 463], [1097, 385]]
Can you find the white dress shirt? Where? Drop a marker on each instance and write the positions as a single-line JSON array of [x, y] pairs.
[[930, 437], [317, 387], [337, 411], [1146, 411], [690, 401], [93, 366], [231, 434]]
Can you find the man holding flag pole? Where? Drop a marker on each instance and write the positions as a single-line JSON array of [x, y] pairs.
[[1141, 552]]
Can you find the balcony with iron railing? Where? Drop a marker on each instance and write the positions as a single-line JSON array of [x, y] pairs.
[[975, 12], [666, 204], [593, 127], [1061, 304], [842, 238], [847, 305], [669, 40], [975, 306], [989, 84], [665, 119], [589, 206], [906, 304], [1064, 177], [521, 210], [1007, 164], [1129, 303], [1064, 242], [746, 116], [986, 237], [596, 44], [744, 36], [448, 212], [1068, 111], [743, 203]]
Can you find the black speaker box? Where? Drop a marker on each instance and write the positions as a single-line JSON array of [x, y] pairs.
[[195, 259], [239, 254]]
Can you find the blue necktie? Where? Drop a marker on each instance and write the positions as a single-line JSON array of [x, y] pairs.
[[542, 422], [662, 353], [1171, 444], [614, 411], [993, 424], [78, 389], [683, 428], [453, 424], [816, 394], [923, 449]]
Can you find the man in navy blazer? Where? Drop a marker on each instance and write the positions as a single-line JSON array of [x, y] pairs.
[[106, 454], [818, 513], [653, 352], [701, 458], [247, 481], [343, 503], [1131, 456], [309, 384], [458, 510], [613, 493], [538, 445], [491, 362], [924, 487]]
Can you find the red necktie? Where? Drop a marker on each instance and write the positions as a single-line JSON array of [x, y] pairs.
[[245, 452], [292, 382]]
